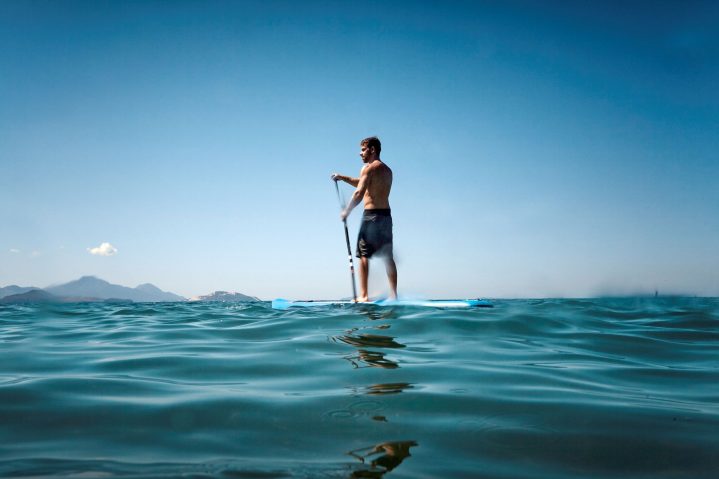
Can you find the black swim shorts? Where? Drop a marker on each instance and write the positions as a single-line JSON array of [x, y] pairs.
[[375, 234]]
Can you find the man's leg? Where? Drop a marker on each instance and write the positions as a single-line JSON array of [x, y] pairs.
[[391, 276], [363, 274]]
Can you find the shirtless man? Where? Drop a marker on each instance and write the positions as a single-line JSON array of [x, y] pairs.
[[375, 234]]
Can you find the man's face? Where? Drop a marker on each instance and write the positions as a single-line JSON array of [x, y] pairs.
[[365, 153]]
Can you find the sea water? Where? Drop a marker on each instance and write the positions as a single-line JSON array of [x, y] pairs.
[[599, 388]]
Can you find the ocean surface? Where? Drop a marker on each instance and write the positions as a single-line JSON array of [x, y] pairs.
[[596, 388]]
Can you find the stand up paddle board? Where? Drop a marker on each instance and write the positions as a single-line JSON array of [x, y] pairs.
[[426, 303]]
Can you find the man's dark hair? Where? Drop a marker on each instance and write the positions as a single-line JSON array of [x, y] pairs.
[[372, 141]]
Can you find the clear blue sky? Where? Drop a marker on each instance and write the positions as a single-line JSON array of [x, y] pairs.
[[539, 149]]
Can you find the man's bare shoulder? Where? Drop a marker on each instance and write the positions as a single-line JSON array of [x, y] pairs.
[[378, 167], [381, 169]]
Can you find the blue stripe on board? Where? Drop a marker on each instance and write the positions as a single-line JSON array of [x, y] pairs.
[[429, 303]]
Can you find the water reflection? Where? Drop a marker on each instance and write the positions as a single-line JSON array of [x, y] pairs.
[[379, 389], [376, 314], [381, 458], [371, 340], [365, 357], [390, 388], [371, 359]]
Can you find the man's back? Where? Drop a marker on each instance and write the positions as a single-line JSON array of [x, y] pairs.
[[379, 184]]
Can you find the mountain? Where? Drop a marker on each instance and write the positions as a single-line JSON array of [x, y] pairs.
[[13, 289], [225, 297], [32, 296], [42, 296], [155, 292], [93, 287]]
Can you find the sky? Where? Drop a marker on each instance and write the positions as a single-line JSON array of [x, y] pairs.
[[539, 149]]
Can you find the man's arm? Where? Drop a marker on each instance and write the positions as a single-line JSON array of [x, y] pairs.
[[352, 181], [357, 196]]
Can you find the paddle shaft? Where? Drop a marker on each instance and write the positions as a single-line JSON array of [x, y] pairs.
[[349, 249], [352, 266]]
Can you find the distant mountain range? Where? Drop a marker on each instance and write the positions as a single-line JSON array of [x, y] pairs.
[[86, 289], [225, 297], [93, 289], [41, 296], [13, 289]]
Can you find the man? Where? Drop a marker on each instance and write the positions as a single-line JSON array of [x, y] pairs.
[[375, 234]]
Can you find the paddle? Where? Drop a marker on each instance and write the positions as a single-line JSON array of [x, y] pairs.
[[347, 239]]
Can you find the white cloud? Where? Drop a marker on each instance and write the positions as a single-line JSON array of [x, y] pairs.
[[105, 249], [14, 250]]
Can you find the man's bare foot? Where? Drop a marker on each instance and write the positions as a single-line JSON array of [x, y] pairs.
[[364, 299]]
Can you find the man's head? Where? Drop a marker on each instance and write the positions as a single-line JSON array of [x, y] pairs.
[[370, 147]]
